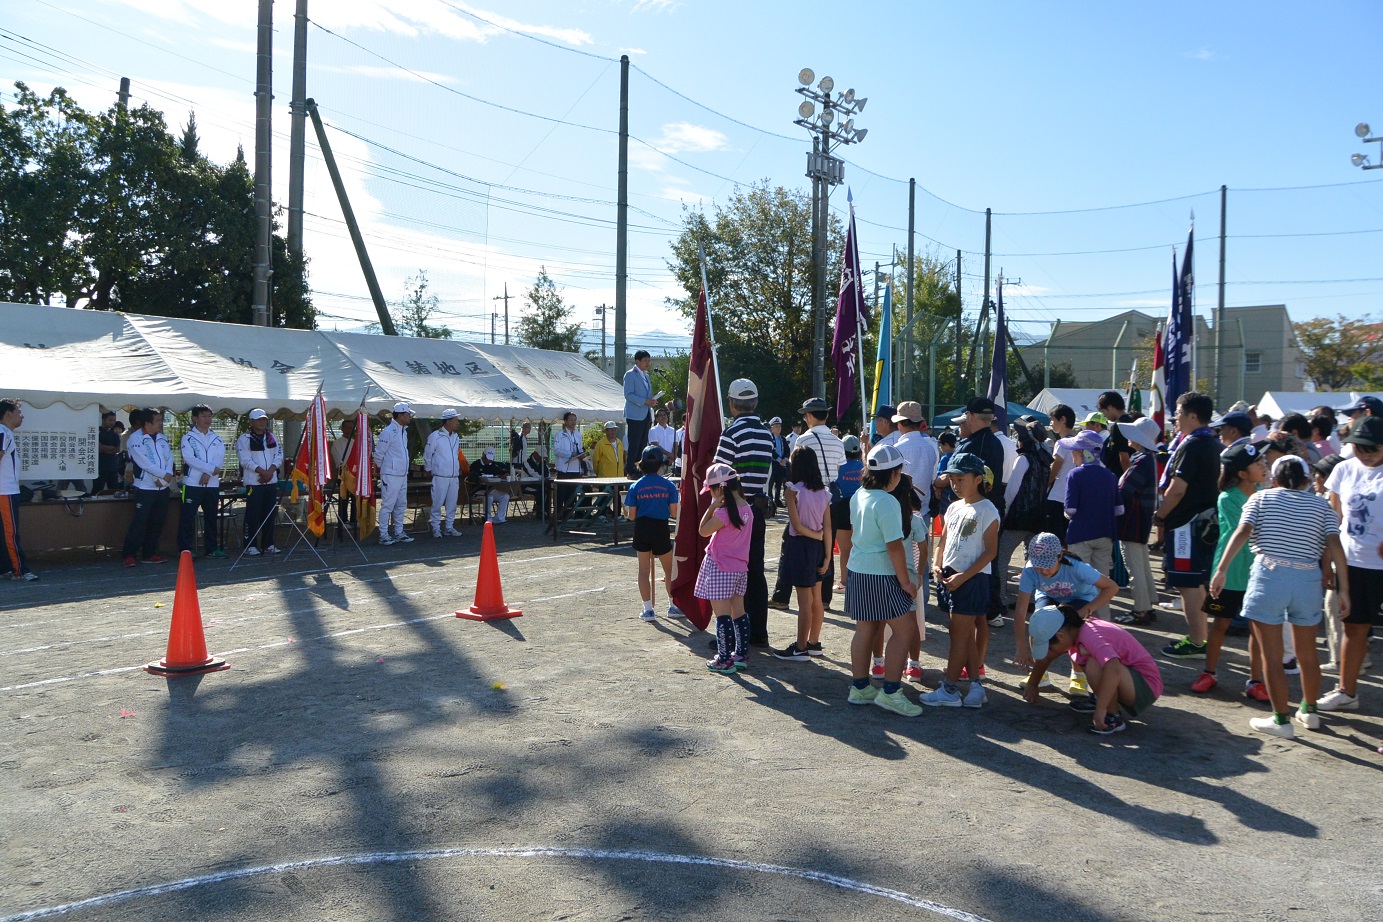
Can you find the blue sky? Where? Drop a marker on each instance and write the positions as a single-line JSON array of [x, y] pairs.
[[1018, 107]]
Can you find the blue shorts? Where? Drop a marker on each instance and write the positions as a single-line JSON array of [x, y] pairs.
[[1278, 594], [972, 598]]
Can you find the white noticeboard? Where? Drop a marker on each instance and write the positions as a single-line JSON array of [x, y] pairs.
[[58, 443]]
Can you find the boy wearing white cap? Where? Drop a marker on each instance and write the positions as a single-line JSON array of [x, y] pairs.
[[391, 456], [442, 459], [261, 458]]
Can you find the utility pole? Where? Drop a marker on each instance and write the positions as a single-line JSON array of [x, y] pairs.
[[124, 92], [622, 217], [297, 139], [1220, 311], [386, 323], [493, 317], [603, 312], [505, 298], [264, 121], [912, 337]]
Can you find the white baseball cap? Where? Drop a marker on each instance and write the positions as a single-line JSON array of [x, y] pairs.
[[446, 414], [402, 407], [258, 414], [743, 389]]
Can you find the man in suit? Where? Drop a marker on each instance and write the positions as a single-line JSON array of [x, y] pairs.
[[638, 404]]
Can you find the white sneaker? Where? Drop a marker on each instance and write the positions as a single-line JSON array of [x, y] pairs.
[[1338, 701], [385, 540], [1173, 605], [452, 533], [403, 539], [974, 696], [648, 615], [271, 550], [30, 576], [1308, 719], [1271, 727], [251, 551]]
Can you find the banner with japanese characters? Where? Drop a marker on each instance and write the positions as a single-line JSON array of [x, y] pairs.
[[58, 443]]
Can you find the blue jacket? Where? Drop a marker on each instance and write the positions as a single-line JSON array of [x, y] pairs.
[[637, 389]]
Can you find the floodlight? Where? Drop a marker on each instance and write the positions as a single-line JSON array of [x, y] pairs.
[[849, 96], [827, 116], [1362, 129], [1358, 160], [848, 126], [859, 104], [805, 76], [806, 110], [826, 84], [859, 135]]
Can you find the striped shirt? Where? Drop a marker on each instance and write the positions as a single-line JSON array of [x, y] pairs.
[[830, 451], [747, 446], [1290, 524]]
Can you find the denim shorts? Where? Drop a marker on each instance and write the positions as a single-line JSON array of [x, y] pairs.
[[1278, 594]]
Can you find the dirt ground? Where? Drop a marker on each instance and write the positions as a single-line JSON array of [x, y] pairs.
[[370, 756]]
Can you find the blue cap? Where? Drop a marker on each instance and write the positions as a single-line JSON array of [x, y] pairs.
[[963, 462]]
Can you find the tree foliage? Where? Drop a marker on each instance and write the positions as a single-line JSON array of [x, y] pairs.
[[759, 270], [1335, 351], [416, 308], [546, 321], [110, 211]]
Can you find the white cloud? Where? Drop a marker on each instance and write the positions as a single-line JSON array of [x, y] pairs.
[[1200, 54], [655, 6], [386, 73], [677, 137], [632, 51]]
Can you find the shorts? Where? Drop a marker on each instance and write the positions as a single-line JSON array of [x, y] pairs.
[[972, 598], [715, 585], [875, 597], [1143, 696], [1279, 593], [653, 536], [1187, 559], [1230, 604], [1365, 596], [1040, 600], [840, 515], [798, 564]]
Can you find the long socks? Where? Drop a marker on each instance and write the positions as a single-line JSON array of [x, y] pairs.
[[742, 636], [725, 636]]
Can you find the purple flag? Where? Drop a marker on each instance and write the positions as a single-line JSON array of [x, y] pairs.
[[851, 321]]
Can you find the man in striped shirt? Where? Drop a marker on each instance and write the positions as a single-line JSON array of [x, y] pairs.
[[747, 446]]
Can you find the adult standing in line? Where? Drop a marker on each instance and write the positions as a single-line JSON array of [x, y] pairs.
[[920, 457], [442, 458], [204, 456], [1063, 426], [1010, 451], [518, 444], [569, 451], [11, 418], [885, 426], [747, 446], [1191, 488], [830, 455], [1117, 451], [151, 453], [1359, 409], [779, 472], [791, 438], [977, 438], [638, 403], [108, 457], [1233, 427], [1138, 494], [1093, 505], [391, 455], [340, 451], [261, 458]]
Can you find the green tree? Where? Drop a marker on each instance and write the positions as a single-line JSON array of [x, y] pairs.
[[759, 270], [935, 307], [1332, 349], [545, 324], [416, 308]]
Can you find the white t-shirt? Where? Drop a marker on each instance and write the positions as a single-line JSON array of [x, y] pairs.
[[1068, 464], [9, 462], [1361, 501], [966, 524], [1010, 454]]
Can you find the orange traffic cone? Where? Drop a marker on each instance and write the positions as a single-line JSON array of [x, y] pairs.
[[489, 596], [186, 643]]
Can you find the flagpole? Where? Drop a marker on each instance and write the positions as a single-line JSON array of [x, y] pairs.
[[710, 331]]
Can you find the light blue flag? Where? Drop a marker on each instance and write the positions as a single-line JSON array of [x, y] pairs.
[[883, 364]]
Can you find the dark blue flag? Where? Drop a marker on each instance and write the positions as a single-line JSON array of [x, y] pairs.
[[998, 370], [1181, 329]]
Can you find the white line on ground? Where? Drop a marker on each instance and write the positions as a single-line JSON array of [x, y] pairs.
[[584, 854]]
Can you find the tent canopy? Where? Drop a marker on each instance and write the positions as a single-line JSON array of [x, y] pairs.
[[1278, 404], [78, 357]]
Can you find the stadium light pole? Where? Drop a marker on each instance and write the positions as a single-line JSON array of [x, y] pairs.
[[829, 119], [1362, 132]]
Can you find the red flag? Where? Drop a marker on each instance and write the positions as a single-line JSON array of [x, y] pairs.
[[1157, 407], [359, 459], [312, 467], [699, 446]]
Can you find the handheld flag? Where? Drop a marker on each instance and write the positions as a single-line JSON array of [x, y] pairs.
[[699, 444], [1181, 330], [312, 466], [883, 364], [1157, 403], [998, 370], [357, 477], [1135, 393], [851, 321]]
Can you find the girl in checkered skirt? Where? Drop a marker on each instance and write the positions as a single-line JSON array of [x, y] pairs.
[[724, 572]]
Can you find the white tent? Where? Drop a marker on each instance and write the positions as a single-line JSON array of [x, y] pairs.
[[1081, 399], [1278, 404], [54, 355]]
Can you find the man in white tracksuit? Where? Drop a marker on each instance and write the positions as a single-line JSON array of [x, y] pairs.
[[391, 455], [442, 458]]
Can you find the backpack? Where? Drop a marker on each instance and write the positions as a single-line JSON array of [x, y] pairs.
[[1029, 511]]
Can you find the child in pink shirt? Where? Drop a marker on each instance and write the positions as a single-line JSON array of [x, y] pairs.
[[724, 574]]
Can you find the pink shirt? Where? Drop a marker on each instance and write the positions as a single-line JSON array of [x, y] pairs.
[[811, 508], [1105, 641], [729, 546]]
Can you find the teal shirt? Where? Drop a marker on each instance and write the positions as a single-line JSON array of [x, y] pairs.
[[876, 519], [1231, 506]]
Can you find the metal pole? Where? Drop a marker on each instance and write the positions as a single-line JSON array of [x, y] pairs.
[[1239, 321], [1047, 355], [386, 323], [124, 97], [622, 216], [1114, 360], [506, 313], [984, 309], [960, 316], [823, 229], [264, 120], [818, 345], [931, 381], [912, 233], [297, 139], [1220, 311]]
